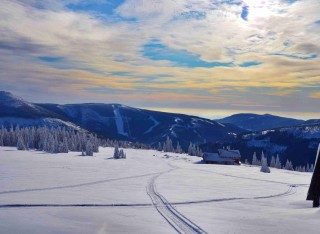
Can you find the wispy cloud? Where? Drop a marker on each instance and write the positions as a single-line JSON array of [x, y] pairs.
[[185, 52], [315, 95]]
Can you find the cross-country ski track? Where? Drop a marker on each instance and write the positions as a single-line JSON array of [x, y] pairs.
[[173, 192]]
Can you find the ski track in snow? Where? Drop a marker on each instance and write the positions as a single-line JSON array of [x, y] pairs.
[[119, 121], [176, 220], [291, 190], [77, 185], [155, 124]]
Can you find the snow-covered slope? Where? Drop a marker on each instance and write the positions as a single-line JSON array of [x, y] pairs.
[[14, 111], [297, 143], [13, 106], [119, 120], [36, 122], [115, 121], [149, 192], [255, 122]]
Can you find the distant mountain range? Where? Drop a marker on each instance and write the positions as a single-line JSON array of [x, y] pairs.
[[254, 122], [115, 121], [296, 143], [292, 139]]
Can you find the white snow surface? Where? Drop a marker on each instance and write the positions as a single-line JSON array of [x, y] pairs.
[[119, 120], [149, 192]]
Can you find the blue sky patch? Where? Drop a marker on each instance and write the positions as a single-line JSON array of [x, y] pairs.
[[232, 2], [121, 73], [250, 64], [290, 1], [245, 13], [100, 7], [313, 56], [183, 58], [198, 15], [50, 59], [107, 90]]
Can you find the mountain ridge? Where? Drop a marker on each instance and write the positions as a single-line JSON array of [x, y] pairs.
[[256, 122], [117, 121]]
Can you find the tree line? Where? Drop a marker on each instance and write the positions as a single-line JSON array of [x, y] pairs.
[[276, 163]]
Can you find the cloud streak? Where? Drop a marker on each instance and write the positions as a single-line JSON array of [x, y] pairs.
[[181, 53]]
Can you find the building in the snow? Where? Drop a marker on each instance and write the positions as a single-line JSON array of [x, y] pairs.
[[224, 156]]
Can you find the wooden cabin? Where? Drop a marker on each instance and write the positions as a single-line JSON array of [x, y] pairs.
[[224, 156]]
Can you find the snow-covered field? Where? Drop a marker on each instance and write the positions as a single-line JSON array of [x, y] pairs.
[[147, 193]]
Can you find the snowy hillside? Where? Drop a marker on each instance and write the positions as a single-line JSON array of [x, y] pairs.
[[38, 122], [116, 121], [13, 106], [298, 143], [255, 122], [14, 111], [149, 192]]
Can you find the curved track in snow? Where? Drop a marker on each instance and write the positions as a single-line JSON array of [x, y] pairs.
[[246, 178], [291, 190], [77, 185], [164, 207], [177, 220]]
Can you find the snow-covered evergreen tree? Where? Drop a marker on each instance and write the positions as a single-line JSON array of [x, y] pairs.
[[264, 164], [20, 144], [194, 150], [52, 140], [63, 146], [273, 162], [288, 166], [122, 154], [116, 152], [278, 162], [310, 169], [254, 159], [119, 153], [191, 149], [179, 149], [89, 148]]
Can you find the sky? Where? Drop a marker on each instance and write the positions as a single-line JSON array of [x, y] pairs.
[[207, 58]]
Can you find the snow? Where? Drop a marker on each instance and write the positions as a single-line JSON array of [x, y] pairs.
[[221, 124], [88, 115], [12, 101], [172, 132], [119, 120], [267, 144], [23, 122], [304, 131], [155, 124], [147, 193], [267, 131]]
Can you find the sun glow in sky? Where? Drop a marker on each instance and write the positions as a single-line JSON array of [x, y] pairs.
[[200, 57]]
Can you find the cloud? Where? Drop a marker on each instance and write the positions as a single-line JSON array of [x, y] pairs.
[[315, 95], [184, 52]]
